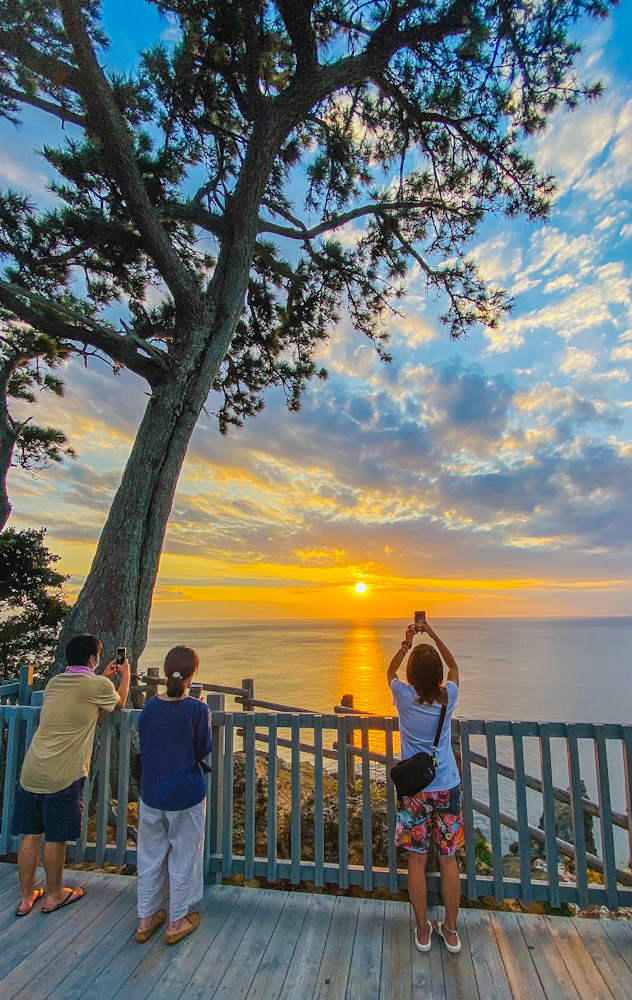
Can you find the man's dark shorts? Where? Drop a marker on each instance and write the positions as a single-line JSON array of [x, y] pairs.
[[57, 815]]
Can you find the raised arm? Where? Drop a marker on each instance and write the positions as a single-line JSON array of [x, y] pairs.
[[450, 662], [397, 660], [123, 688]]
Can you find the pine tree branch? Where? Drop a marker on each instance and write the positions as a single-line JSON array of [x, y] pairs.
[[62, 323], [65, 114], [58, 72], [105, 120], [302, 232], [296, 16]]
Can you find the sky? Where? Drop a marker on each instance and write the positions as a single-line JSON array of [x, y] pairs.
[[484, 477]]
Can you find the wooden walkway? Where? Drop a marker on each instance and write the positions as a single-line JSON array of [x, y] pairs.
[[257, 944]]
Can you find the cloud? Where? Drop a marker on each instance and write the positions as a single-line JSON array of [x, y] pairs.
[[577, 362]]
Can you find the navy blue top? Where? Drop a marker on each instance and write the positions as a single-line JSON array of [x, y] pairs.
[[175, 737]]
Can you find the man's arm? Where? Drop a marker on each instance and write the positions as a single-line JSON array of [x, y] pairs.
[[450, 662], [123, 688], [397, 660]]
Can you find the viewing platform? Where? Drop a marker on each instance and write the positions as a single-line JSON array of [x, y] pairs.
[[264, 944]]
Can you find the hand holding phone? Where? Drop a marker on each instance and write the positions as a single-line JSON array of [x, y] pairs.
[[121, 655], [420, 620]]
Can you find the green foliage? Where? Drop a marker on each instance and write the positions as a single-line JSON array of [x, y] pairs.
[[482, 851], [401, 123], [32, 605]]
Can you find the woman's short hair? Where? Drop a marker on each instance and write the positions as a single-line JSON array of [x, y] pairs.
[[183, 661], [81, 648], [424, 671]]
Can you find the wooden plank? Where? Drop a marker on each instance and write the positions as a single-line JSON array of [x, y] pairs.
[[491, 978], [319, 818], [367, 810], [522, 814], [577, 813], [295, 815], [620, 934], [272, 799], [26, 950], [249, 832], [585, 975], [519, 968], [227, 816], [215, 791], [240, 974], [554, 976], [605, 809], [397, 952], [366, 958], [393, 879], [494, 811], [125, 735], [468, 810], [428, 980], [308, 953], [274, 966], [105, 753], [549, 815], [626, 746], [10, 897], [333, 974], [343, 843], [92, 941], [606, 957], [458, 970]]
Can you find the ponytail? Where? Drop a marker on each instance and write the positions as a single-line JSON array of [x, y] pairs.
[[181, 663]]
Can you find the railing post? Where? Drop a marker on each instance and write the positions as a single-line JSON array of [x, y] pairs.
[[347, 702], [152, 689], [26, 685], [215, 792], [246, 706]]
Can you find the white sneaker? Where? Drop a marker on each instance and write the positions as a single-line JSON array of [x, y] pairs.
[[428, 945]]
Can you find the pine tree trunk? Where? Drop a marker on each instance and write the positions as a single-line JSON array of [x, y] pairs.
[[7, 444]]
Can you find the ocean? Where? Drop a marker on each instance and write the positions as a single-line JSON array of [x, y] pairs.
[[520, 669]]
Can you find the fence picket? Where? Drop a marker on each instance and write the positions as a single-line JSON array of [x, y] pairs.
[[367, 810], [343, 844], [577, 812], [272, 799], [626, 747], [215, 790], [103, 796], [522, 812], [393, 879], [227, 817], [10, 774], [605, 806], [249, 815], [295, 817], [319, 818], [125, 733], [548, 803], [494, 812], [468, 809]]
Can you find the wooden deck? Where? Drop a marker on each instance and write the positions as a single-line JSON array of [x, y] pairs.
[[259, 944]]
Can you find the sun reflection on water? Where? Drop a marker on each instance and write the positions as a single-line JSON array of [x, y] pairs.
[[362, 673]]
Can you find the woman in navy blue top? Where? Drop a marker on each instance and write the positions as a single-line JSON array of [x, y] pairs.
[[175, 738]]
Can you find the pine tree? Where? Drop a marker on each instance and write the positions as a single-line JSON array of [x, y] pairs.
[[405, 119]]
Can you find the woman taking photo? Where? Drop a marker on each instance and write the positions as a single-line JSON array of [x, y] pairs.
[[175, 738], [434, 812]]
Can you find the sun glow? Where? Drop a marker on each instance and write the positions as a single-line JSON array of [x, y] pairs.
[[360, 588]]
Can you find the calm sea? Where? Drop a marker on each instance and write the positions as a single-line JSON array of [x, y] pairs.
[[556, 669]]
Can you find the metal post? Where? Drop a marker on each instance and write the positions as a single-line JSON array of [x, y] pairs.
[[249, 687], [347, 702], [215, 792], [152, 689]]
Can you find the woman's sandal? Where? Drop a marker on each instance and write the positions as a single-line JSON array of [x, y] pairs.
[[73, 896], [428, 945], [454, 949], [173, 938], [24, 913], [159, 917]]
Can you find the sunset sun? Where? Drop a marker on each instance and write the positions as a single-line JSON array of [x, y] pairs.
[[360, 588]]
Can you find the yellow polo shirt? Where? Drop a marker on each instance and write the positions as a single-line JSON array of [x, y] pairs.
[[61, 748]]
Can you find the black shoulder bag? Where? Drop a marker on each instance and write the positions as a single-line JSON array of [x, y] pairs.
[[412, 775]]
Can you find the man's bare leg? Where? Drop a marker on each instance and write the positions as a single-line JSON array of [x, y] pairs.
[[54, 857], [28, 860]]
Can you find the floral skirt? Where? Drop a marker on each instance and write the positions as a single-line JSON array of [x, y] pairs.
[[431, 814]]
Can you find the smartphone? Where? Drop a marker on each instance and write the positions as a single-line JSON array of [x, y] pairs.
[[121, 655], [195, 691], [420, 618]]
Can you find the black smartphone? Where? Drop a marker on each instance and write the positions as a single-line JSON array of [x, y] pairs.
[[420, 618], [195, 691], [121, 655]]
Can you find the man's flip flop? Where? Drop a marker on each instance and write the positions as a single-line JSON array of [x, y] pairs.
[[24, 913], [73, 896]]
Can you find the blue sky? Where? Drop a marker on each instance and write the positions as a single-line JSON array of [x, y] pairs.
[[487, 476]]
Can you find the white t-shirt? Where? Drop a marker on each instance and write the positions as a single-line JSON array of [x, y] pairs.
[[418, 727]]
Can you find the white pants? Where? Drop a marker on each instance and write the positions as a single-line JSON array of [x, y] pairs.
[[170, 859]]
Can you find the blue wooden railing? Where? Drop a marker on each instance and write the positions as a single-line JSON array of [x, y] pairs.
[[587, 751]]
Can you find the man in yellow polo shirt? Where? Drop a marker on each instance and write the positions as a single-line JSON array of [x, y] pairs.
[[49, 798]]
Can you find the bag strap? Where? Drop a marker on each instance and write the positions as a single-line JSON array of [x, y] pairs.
[[444, 709]]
